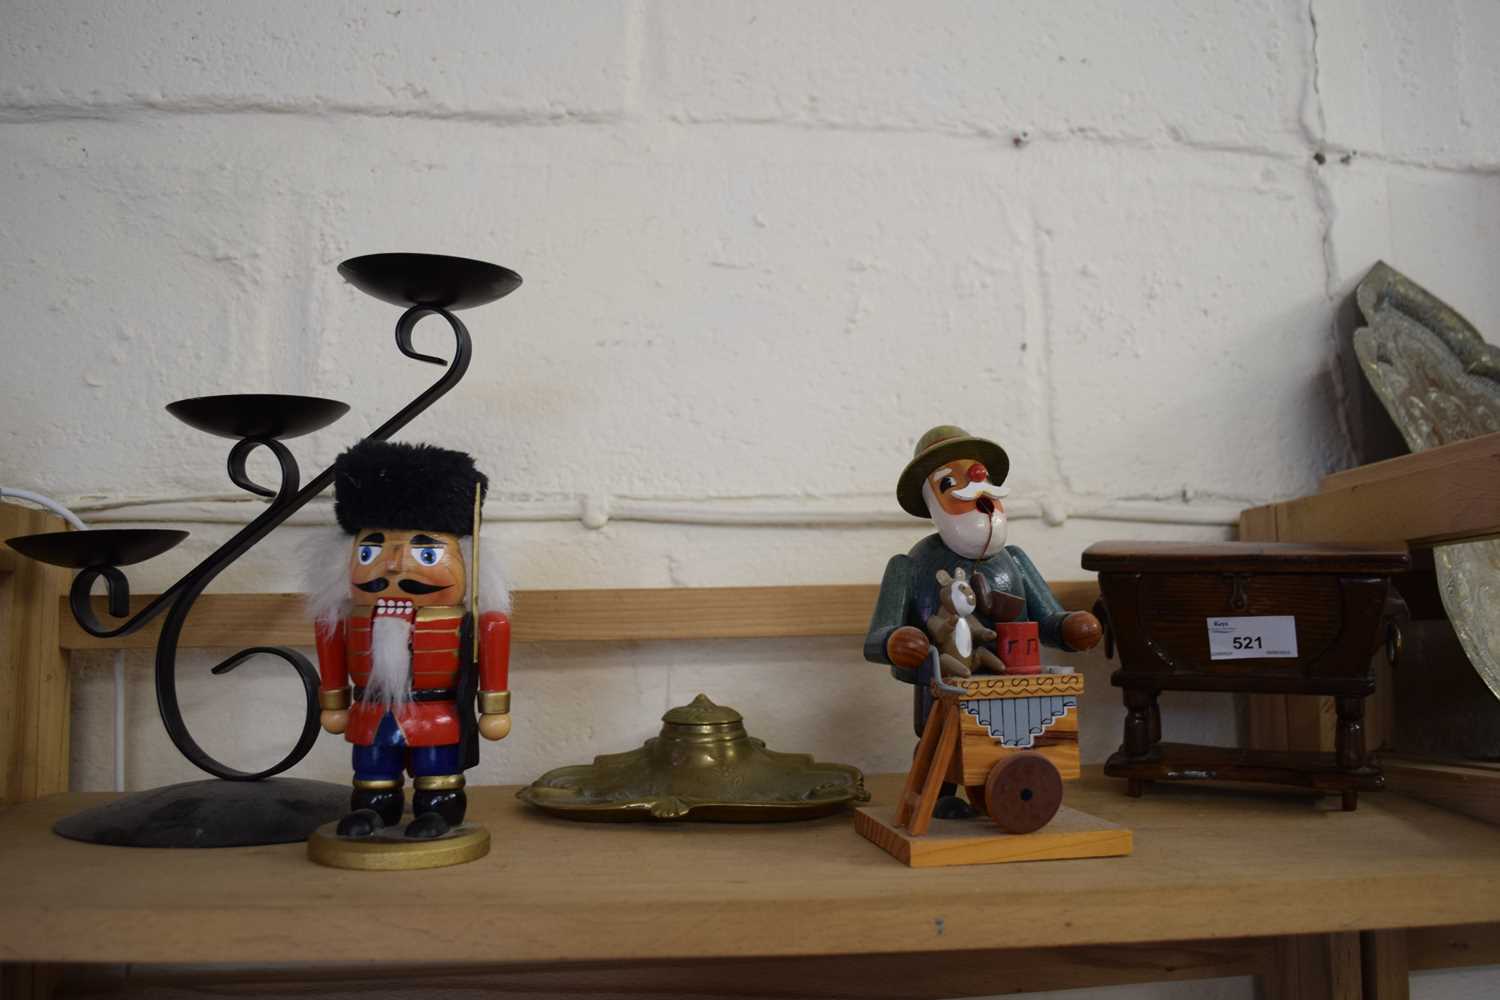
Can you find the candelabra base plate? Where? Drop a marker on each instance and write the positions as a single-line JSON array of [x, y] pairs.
[[211, 813]]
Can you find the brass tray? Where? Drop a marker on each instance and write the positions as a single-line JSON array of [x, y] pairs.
[[703, 766]]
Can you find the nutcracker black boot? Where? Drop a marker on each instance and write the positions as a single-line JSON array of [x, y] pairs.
[[437, 806], [372, 806]]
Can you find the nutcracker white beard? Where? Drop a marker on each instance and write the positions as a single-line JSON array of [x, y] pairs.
[[389, 685], [973, 535]]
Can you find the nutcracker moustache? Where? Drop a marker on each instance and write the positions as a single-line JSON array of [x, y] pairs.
[[399, 619]]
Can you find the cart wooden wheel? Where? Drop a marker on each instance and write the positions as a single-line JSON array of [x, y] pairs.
[[1023, 793]]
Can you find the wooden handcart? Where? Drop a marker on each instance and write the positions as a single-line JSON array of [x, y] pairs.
[[1009, 740]]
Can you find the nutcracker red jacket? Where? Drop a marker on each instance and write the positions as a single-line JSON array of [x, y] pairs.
[[344, 652]]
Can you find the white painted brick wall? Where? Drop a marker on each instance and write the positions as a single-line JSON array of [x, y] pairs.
[[486, 59], [1172, 71], [765, 246]]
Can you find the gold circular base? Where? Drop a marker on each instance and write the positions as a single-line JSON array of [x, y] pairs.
[[391, 851]]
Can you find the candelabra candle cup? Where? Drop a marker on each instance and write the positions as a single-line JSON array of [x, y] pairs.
[[244, 807], [257, 415], [431, 280], [97, 546]]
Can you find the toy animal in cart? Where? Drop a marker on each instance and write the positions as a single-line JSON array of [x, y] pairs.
[[955, 630]]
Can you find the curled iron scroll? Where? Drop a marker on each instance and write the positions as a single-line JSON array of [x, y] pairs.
[[286, 499]]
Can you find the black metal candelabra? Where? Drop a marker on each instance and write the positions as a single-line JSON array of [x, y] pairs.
[[244, 807]]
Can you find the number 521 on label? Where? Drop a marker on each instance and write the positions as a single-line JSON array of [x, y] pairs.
[[1254, 637]]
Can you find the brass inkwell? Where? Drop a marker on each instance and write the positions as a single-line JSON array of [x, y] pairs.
[[702, 766]]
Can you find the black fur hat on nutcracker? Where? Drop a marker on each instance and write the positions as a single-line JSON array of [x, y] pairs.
[[406, 487]]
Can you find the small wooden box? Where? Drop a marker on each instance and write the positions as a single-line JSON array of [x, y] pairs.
[[1175, 609]]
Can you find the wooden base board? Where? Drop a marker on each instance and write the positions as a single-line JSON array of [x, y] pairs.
[[1071, 834]]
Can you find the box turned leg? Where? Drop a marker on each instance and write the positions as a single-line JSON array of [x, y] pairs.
[[1349, 742], [1137, 722]]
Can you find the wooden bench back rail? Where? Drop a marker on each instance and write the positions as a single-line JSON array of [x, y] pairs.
[[234, 620], [34, 695]]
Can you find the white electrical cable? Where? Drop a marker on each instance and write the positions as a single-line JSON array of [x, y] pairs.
[[47, 502], [119, 720], [119, 665]]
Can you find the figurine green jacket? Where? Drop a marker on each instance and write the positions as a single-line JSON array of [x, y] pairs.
[[909, 596]]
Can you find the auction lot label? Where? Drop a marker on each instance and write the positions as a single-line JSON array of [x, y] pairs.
[[1258, 637]]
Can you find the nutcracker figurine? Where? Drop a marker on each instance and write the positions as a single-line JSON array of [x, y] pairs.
[[402, 616]]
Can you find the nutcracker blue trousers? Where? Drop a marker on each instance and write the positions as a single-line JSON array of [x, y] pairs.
[[389, 756]]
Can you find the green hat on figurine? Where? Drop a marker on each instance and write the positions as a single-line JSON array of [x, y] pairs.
[[945, 443]]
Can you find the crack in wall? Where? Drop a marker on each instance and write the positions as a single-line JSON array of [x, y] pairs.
[[635, 56], [1171, 139], [130, 110], [1317, 132], [1038, 253], [1312, 95]]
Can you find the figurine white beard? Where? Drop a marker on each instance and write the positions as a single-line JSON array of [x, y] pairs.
[[390, 662], [973, 535]]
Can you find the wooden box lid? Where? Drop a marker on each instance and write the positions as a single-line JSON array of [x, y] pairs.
[[1245, 557]]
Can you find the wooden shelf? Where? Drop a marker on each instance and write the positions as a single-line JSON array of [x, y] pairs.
[[1443, 494], [222, 621], [1208, 864]]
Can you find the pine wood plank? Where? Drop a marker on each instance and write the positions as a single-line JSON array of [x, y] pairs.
[[34, 685], [230, 620], [1431, 461], [1408, 502], [1258, 524], [35, 709], [1473, 790], [1205, 865]]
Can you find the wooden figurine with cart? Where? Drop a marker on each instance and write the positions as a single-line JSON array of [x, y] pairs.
[[962, 618]]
